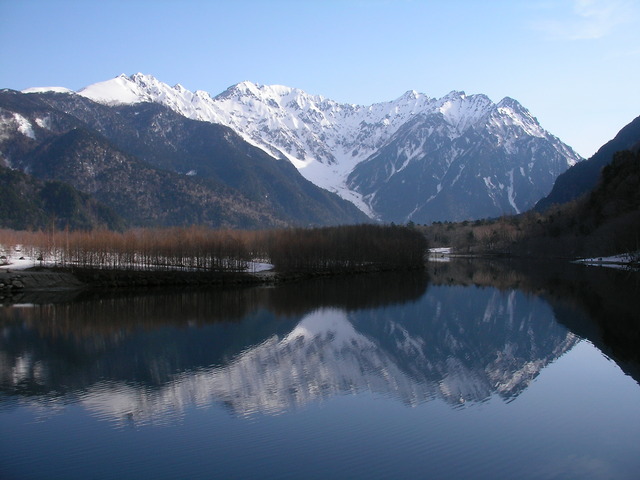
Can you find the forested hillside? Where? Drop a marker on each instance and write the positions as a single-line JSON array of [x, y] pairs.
[[583, 176], [28, 203]]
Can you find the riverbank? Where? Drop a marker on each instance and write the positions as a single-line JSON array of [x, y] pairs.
[[21, 280], [56, 278], [40, 279]]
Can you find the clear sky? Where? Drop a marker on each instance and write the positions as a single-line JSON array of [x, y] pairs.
[[575, 64]]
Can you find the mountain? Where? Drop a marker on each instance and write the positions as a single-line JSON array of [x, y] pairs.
[[415, 158], [496, 160], [583, 177], [156, 167]]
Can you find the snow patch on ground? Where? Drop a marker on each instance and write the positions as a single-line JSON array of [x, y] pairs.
[[512, 196], [439, 254], [24, 126], [44, 123], [623, 261], [19, 264], [13, 258]]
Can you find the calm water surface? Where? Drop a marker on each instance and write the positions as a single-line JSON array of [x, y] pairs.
[[475, 371]]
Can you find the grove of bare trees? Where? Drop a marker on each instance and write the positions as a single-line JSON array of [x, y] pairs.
[[204, 249]]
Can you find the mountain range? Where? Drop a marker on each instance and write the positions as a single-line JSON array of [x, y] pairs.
[[164, 155]]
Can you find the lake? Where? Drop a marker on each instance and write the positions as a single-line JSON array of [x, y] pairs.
[[471, 370]]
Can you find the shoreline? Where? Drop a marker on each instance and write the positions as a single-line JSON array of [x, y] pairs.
[[71, 279], [59, 279]]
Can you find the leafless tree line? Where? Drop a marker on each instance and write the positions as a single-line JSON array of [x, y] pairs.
[[347, 247], [139, 249], [200, 248]]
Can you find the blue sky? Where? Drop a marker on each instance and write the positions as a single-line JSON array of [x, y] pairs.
[[574, 64]]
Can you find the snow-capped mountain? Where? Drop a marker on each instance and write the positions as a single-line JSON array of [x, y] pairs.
[[415, 158], [494, 159]]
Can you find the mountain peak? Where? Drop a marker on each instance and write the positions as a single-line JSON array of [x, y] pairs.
[[410, 95], [247, 85], [143, 78], [463, 111], [509, 102], [203, 95], [238, 89], [119, 90], [511, 112], [455, 94], [125, 89], [268, 91]]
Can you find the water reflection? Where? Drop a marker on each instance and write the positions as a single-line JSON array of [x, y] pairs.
[[599, 304], [147, 358]]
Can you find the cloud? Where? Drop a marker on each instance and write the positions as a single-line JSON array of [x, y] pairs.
[[588, 19]]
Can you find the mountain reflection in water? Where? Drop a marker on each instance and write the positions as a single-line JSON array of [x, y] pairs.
[[148, 357]]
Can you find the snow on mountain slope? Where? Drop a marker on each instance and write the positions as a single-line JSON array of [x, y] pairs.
[[322, 138], [48, 89], [126, 90], [327, 140], [485, 160]]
